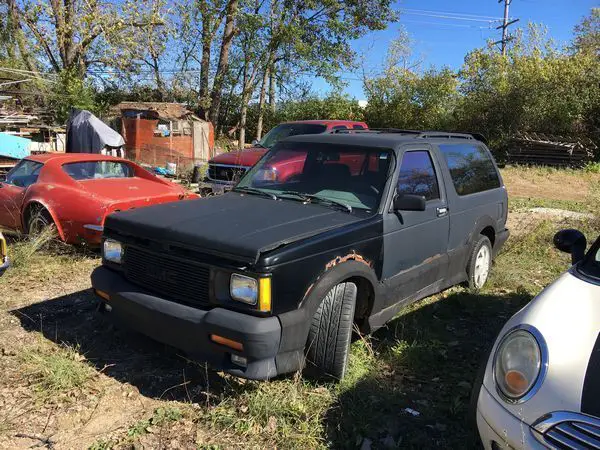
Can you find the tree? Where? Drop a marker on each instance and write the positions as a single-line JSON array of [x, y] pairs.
[[76, 35], [587, 34]]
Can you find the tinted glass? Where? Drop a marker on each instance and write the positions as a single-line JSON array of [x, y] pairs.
[[24, 174], [358, 127], [471, 168], [417, 175], [355, 176], [290, 129], [94, 170], [340, 127]]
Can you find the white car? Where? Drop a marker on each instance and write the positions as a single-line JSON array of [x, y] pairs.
[[541, 384]]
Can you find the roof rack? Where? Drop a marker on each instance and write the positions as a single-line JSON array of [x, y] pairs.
[[416, 133]]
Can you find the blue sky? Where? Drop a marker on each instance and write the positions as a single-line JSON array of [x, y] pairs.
[[443, 41]]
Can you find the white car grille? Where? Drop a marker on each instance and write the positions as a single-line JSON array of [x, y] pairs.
[[563, 430]]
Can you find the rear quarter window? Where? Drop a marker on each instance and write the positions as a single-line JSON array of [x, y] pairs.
[[471, 168]]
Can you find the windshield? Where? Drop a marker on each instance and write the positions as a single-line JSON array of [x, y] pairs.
[[94, 170], [290, 129], [591, 264], [341, 175]]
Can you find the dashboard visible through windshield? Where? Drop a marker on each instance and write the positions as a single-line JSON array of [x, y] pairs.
[[339, 176]]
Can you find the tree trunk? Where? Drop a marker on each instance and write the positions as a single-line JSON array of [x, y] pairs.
[[205, 60], [223, 64], [261, 104], [272, 88], [244, 110]]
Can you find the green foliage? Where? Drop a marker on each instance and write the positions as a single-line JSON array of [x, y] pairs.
[[536, 87], [71, 91]]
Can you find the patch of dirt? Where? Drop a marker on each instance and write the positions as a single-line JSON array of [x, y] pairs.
[[553, 185]]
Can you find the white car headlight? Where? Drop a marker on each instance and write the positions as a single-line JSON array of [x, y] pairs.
[[243, 289], [519, 363], [112, 251]]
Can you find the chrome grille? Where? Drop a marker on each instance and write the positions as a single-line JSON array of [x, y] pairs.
[[565, 431], [174, 279], [226, 173]]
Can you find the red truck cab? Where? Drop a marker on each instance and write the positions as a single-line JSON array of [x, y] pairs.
[[226, 169]]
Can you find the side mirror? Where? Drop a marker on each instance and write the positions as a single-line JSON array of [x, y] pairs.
[[573, 242], [410, 202], [254, 142]]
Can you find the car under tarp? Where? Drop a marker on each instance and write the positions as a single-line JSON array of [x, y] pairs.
[[88, 134]]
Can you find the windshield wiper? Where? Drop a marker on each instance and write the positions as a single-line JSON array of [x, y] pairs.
[[311, 198], [254, 191]]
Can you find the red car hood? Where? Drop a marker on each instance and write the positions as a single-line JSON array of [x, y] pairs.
[[246, 158], [125, 193]]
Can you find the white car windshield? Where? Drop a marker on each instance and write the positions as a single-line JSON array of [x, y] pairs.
[[591, 264], [339, 176]]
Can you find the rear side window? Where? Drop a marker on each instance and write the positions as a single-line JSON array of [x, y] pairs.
[[471, 168], [340, 127], [357, 127], [417, 175], [94, 170]]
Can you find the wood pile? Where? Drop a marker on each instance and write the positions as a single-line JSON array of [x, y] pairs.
[[548, 150]]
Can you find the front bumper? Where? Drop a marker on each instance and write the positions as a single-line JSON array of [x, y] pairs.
[[497, 425], [189, 329]]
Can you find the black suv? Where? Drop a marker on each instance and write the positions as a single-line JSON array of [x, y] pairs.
[[279, 270]]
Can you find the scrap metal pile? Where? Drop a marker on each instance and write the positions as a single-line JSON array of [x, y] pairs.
[[548, 150]]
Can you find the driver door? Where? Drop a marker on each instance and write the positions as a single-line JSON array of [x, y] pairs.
[[12, 192]]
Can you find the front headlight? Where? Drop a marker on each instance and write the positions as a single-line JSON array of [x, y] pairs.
[[518, 364], [243, 289], [112, 251]]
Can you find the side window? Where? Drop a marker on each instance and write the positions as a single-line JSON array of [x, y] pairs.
[[340, 127], [471, 168], [357, 127], [417, 175], [24, 174]]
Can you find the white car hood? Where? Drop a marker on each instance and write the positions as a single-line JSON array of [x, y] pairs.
[[567, 314]]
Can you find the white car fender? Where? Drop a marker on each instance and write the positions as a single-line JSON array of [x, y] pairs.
[[567, 315]]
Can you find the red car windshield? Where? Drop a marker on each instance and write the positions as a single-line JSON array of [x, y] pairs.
[[290, 129], [93, 170]]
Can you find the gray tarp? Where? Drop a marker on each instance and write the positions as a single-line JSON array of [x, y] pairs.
[[88, 134]]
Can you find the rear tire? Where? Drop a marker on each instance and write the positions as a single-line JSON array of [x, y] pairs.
[[330, 332], [480, 263], [38, 221]]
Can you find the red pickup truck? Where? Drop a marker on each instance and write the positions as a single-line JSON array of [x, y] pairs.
[[225, 170]]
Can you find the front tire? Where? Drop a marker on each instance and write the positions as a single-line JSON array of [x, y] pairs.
[[480, 263], [330, 332]]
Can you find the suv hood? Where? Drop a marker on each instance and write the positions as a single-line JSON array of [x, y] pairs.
[[231, 225]]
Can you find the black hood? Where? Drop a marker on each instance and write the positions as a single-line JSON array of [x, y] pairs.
[[232, 224]]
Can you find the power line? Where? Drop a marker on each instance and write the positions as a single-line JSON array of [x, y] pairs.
[[447, 16], [505, 24], [480, 16]]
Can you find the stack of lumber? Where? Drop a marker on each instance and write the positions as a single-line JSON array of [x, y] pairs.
[[548, 150]]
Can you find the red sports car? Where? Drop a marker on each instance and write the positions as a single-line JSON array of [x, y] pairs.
[[75, 192]]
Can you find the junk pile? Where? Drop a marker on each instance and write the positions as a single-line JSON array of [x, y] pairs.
[[548, 150]]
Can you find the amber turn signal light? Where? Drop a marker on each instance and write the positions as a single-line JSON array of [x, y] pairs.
[[227, 342], [102, 295]]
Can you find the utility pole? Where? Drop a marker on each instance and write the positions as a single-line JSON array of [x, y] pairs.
[[505, 24]]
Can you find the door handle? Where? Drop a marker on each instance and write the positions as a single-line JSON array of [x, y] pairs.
[[441, 212]]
